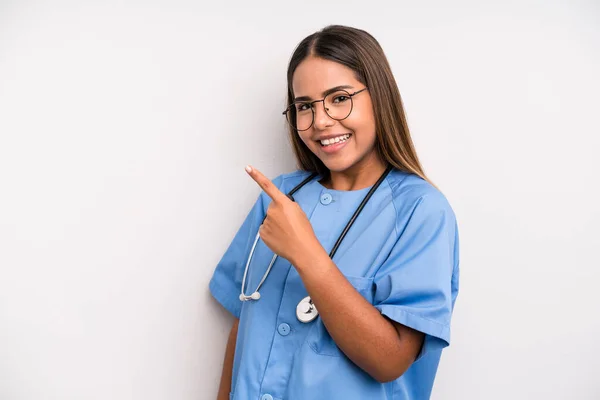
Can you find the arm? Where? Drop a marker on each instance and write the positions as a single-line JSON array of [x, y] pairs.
[[381, 347], [225, 385]]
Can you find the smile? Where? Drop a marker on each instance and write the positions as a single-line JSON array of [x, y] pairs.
[[337, 139]]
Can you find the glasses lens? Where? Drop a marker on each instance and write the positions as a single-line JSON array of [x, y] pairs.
[[300, 116], [338, 104]]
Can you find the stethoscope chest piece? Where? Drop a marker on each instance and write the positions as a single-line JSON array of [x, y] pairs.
[[306, 310]]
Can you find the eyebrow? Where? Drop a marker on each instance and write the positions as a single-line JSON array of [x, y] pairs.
[[325, 93]]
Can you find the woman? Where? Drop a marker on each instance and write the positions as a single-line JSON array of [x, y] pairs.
[[348, 293]]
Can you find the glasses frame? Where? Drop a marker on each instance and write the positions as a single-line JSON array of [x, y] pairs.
[[312, 108]]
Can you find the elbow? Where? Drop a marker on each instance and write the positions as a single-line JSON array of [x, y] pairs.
[[391, 367], [395, 360], [389, 373], [389, 359], [385, 377]]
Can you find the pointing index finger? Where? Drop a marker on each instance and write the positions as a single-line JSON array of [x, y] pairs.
[[265, 183]]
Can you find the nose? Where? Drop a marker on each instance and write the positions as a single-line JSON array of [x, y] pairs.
[[322, 120]]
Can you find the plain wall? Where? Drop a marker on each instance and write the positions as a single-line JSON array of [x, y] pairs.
[[124, 130]]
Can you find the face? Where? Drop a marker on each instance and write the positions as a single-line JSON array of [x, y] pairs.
[[343, 146]]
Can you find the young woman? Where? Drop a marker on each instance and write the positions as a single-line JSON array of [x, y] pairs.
[[344, 274]]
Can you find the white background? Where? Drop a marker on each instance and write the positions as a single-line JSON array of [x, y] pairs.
[[125, 127]]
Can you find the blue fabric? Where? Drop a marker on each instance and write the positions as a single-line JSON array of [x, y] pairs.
[[401, 254]]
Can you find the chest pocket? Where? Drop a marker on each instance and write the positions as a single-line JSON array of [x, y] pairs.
[[318, 339]]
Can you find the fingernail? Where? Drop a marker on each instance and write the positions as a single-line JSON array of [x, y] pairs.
[[248, 169]]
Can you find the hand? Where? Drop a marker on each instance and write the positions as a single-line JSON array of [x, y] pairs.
[[286, 229]]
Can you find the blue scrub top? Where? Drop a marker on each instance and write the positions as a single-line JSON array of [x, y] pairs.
[[401, 255]]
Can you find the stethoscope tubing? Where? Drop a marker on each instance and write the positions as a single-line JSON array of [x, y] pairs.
[[256, 295]]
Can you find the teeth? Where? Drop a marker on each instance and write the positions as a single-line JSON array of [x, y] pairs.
[[337, 139]]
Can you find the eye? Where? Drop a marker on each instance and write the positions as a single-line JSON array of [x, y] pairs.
[[302, 107], [340, 98]]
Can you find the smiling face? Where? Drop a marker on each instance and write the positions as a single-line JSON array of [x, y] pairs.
[[346, 146]]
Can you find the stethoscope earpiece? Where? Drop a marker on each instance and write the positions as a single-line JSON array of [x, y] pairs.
[[253, 296]]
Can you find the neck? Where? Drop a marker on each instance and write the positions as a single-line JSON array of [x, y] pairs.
[[357, 177]]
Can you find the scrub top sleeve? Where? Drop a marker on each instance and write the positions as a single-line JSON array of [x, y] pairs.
[[226, 282], [417, 284]]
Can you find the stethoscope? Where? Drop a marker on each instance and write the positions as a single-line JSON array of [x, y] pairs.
[[306, 311]]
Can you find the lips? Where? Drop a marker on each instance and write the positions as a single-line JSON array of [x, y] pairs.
[[336, 145], [334, 139]]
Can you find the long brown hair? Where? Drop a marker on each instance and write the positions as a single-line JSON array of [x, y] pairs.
[[359, 51]]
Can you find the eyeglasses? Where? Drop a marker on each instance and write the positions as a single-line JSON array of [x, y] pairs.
[[338, 105]]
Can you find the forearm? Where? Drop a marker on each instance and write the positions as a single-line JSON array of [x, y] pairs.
[[367, 338], [225, 385]]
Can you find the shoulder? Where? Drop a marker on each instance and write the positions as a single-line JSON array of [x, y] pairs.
[[412, 195], [286, 182]]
